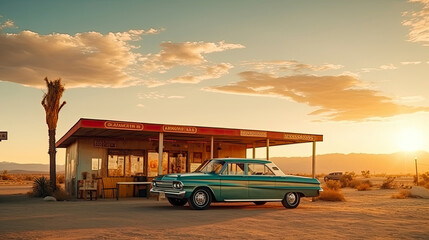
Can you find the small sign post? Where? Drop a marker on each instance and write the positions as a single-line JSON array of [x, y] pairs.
[[417, 173], [3, 136]]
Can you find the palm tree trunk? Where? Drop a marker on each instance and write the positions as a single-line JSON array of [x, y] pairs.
[[52, 159]]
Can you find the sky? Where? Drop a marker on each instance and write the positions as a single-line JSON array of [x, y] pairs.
[[355, 71]]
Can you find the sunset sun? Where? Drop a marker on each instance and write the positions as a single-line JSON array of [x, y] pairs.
[[410, 139]]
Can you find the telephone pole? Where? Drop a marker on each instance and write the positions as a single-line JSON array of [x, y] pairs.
[[417, 173]]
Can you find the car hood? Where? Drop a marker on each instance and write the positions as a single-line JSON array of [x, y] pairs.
[[177, 176]]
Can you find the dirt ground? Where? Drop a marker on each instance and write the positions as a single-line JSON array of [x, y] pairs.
[[365, 215]]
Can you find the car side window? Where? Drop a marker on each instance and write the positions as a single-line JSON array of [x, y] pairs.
[[258, 169], [234, 169]]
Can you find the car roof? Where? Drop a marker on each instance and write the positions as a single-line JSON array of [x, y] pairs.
[[243, 160]]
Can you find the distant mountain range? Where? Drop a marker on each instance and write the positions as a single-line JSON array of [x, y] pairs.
[[12, 167], [395, 163]]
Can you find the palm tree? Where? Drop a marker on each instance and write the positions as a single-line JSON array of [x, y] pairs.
[[51, 103]]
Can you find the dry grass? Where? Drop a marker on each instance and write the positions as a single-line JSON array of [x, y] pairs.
[[366, 173], [425, 180], [347, 178], [363, 186], [331, 195], [332, 192], [334, 185], [388, 183], [26, 178], [404, 193]]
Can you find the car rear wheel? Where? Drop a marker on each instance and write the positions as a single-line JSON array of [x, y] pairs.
[[200, 199], [177, 202], [291, 200], [259, 202]]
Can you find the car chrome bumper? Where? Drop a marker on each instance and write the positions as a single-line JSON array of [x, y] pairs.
[[180, 194]]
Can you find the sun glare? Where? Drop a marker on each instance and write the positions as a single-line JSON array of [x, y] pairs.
[[410, 139]]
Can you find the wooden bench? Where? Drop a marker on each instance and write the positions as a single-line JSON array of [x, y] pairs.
[[110, 190]]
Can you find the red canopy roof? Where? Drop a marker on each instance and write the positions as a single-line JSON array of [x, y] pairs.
[[147, 131]]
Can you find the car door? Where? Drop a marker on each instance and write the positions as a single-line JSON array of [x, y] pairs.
[[261, 182], [233, 182]]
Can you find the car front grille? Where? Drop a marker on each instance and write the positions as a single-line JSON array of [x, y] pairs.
[[164, 184]]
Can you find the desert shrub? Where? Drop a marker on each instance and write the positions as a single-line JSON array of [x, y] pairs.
[[60, 179], [346, 178], [424, 181], [354, 183], [41, 187], [331, 195], [363, 186], [28, 177], [366, 173], [388, 183], [334, 185], [404, 193], [425, 177], [61, 195], [6, 176]]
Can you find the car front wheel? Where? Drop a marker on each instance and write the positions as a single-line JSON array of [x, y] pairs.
[[291, 200], [200, 199], [177, 202]]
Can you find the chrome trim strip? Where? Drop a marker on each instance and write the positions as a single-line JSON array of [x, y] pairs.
[[253, 200], [180, 194], [167, 192]]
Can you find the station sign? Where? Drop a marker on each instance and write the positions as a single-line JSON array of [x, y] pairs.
[[3, 136], [252, 133], [123, 125], [104, 143], [301, 137], [179, 129]]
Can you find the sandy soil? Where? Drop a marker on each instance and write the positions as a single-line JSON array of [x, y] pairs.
[[366, 215], [15, 189]]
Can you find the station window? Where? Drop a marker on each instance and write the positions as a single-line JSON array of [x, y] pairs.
[[125, 163], [116, 166]]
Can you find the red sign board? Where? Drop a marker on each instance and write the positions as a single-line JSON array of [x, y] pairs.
[[179, 129], [123, 125]]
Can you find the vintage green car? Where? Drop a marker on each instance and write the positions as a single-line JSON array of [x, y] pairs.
[[235, 180]]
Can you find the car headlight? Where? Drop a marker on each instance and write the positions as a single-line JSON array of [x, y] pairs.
[[177, 185], [153, 184]]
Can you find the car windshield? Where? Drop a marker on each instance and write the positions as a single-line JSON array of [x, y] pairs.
[[211, 166]]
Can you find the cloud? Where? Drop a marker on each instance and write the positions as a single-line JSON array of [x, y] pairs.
[[338, 98], [382, 67], [418, 22], [209, 72], [411, 63], [183, 54], [156, 95], [8, 24], [151, 95], [83, 59], [289, 65], [140, 105]]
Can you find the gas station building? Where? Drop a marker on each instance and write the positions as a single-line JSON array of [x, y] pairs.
[[124, 151]]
